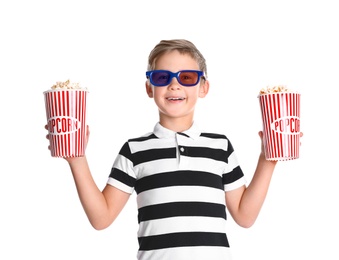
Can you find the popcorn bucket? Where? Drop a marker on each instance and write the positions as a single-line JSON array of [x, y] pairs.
[[66, 121], [281, 125]]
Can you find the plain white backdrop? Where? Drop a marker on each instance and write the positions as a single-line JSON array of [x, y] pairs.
[[104, 45]]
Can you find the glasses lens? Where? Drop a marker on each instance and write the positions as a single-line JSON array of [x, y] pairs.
[[160, 78], [188, 78]]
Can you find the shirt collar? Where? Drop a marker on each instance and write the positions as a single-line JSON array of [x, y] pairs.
[[162, 132]]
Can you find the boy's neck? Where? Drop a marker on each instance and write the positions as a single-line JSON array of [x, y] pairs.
[[176, 124]]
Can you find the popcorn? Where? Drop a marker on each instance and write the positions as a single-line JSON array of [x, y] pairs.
[[280, 110], [66, 105], [274, 89], [67, 85]]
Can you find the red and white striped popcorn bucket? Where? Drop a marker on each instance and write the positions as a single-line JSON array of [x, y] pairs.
[[281, 125], [66, 120]]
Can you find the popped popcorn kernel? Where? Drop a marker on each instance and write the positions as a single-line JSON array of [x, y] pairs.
[[67, 85], [274, 89]]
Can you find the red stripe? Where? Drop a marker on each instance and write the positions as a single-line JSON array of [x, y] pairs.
[[271, 115], [54, 108], [83, 122], [80, 119]]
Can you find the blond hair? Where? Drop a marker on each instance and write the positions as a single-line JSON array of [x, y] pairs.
[[181, 45]]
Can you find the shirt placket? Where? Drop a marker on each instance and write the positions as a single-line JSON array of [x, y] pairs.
[[182, 150]]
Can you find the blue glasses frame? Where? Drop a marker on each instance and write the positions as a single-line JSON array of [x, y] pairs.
[[166, 76]]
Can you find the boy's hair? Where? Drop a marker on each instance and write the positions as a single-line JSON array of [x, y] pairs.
[[181, 45]]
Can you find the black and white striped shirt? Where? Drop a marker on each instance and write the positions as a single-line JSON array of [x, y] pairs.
[[180, 180]]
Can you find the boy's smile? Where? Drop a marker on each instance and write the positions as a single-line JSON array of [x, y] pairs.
[[175, 99]]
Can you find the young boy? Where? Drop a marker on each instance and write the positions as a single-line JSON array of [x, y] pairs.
[[183, 178]]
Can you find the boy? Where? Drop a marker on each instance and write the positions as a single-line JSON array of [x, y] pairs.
[[184, 178]]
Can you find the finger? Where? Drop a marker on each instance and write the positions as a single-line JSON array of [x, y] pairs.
[[260, 133]]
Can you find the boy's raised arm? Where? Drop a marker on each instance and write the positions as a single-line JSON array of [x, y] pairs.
[[101, 207], [244, 203]]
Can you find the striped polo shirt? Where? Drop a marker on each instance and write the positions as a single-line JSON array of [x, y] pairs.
[[180, 180]]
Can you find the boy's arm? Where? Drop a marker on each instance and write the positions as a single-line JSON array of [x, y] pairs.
[[101, 208], [244, 203]]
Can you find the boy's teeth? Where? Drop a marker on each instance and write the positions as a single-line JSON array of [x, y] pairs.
[[175, 98]]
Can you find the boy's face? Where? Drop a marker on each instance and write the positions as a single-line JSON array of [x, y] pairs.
[[175, 100]]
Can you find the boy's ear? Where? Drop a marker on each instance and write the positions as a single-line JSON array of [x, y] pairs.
[[204, 88], [149, 89]]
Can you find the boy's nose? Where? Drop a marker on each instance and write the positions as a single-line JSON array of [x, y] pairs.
[[174, 84]]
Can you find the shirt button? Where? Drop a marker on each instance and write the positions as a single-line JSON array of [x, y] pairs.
[[182, 149]]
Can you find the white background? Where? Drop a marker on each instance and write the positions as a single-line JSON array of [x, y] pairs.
[[104, 45]]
